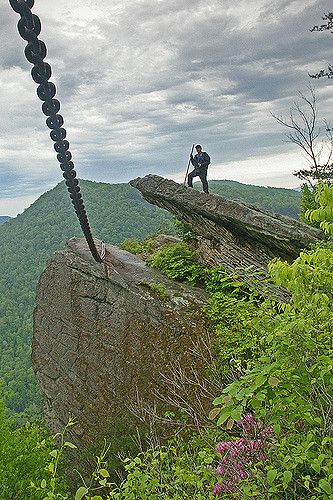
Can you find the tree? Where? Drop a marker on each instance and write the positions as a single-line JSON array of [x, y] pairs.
[[323, 27], [316, 142]]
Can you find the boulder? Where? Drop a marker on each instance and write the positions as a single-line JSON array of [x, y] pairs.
[[106, 334]]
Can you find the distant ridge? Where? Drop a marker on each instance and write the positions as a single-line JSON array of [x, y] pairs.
[[277, 200], [4, 218]]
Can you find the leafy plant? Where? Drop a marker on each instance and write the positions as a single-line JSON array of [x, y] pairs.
[[132, 245], [290, 383], [51, 486], [184, 231], [24, 450], [308, 202], [177, 262], [158, 288], [181, 470], [324, 214]]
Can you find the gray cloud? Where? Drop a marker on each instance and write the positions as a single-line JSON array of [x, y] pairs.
[[139, 81]]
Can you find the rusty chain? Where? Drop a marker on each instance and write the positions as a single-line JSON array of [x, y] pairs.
[[29, 27]]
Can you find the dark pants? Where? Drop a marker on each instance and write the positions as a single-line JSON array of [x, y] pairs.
[[202, 173]]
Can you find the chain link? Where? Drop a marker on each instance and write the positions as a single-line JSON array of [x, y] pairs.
[[29, 27]]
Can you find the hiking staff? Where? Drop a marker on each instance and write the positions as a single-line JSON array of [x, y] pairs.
[[188, 165]]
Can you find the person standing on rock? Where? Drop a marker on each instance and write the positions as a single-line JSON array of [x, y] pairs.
[[200, 162]]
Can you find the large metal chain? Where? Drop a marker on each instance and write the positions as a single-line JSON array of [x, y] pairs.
[[29, 27]]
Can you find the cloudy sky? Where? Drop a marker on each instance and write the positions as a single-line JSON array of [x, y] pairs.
[[141, 80]]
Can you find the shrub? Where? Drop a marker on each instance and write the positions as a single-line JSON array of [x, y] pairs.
[[184, 231], [179, 471], [323, 215], [133, 245], [290, 383], [24, 452], [308, 202], [177, 262], [240, 455]]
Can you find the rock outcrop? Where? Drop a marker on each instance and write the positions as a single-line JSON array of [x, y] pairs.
[[103, 334], [231, 234]]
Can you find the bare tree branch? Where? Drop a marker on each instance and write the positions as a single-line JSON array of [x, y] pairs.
[[305, 132]]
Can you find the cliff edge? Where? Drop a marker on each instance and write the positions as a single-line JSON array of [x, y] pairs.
[[231, 234]]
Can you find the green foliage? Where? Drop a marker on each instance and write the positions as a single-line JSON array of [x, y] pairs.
[[220, 281], [182, 469], [290, 383], [324, 213], [177, 262], [52, 486], [238, 332], [158, 288], [177, 471], [184, 231], [24, 451], [132, 245], [234, 312], [308, 202]]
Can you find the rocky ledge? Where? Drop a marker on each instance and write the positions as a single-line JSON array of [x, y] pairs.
[[231, 234]]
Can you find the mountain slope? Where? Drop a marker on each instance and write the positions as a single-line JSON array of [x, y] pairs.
[[116, 212]]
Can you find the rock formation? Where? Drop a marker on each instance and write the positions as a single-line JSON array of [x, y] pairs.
[[103, 334], [231, 234]]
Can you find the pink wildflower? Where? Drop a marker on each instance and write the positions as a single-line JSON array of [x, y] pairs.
[[238, 456]]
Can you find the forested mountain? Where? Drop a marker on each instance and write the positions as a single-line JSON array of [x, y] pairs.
[[278, 200], [4, 218], [116, 212]]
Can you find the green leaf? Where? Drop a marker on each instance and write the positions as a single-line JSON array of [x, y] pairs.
[[230, 424], [256, 403], [236, 413], [273, 381], [54, 453], [224, 415], [68, 444], [50, 467], [104, 473], [277, 429], [214, 413], [43, 484], [325, 485], [315, 466], [222, 399], [271, 475], [81, 492], [259, 380], [287, 477]]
